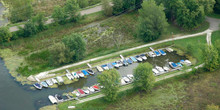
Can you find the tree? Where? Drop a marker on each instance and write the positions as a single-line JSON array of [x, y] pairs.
[[107, 8], [143, 77], [39, 20], [151, 21], [128, 4], [208, 5], [212, 107], [118, 7], [20, 10], [5, 35], [71, 7], [83, 3], [190, 14], [217, 6], [211, 58], [29, 29], [76, 45], [138, 3], [217, 42], [60, 54], [58, 15], [110, 81]]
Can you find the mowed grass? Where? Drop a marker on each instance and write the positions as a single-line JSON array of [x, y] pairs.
[[215, 37], [183, 92]]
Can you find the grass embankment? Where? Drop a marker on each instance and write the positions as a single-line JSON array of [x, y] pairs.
[[214, 15], [35, 49], [187, 91]]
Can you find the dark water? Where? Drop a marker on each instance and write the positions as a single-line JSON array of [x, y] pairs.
[[3, 21], [13, 96]]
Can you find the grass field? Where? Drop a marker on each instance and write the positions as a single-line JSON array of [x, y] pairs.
[[182, 92]]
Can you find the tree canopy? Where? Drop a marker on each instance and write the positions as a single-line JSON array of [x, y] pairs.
[[217, 6], [208, 5], [151, 21], [211, 58], [143, 77], [59, 15], [5, 34], [76, 44], [110, 81], [71, 8], [107, 8]]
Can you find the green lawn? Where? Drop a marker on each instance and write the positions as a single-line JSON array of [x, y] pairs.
[[215, 36], [182, 92]]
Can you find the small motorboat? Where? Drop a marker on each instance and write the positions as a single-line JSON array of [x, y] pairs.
[[52, 99], [130, 76], [90, 71], [125, 62], [54, 80], [155, 72], [38, 86], [157, 53], [126, 79], [59, 98], [69, 76], [115, 65], [169, 49], [166, 68], [81, 91], [110, 66], [119, 63], [133, 59], [173, 65], [160, 69], [122, 81], [49, 82], [81, 75], [139, 59], [75, 75], [143, 56], [44, 84], [96, 87], [129, 61], [85, 72], [105, 67], [91, 89], [60, 79], [86, 91], [151, 54], [161, 52], [179, 64], [187, 62], [76, 93], [99, 69]]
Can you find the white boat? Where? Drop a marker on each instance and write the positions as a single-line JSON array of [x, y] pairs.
[[120, 64], [187, 62], [122, 81], [126, 79], [76, 76], [173, 65], [151, 54], [44, 84], [99, 69], [105, 67], [155, 72], [160, 69], [130, 76], [60, 79], [169, 49], [86, 91], [52, 99], [59, 98], [91, 89], [144, 57], [139, 58], [49, 82], [69, 76], [76, 93], [54, 80], [71, 107], [166, 68], [81, 75]]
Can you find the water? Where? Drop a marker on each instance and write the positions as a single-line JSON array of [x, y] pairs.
[[13, 96], [3, 21]]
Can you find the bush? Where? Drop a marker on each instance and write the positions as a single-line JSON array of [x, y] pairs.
[[30, 29], [5, 35], [107, 8], [83, 3]]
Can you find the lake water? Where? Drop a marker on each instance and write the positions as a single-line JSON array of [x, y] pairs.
[[14, 96], [3, 21]]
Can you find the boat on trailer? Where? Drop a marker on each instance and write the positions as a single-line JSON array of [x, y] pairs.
[[38, 86], [133, 59], [143, 56], [162, 52], [99, 69], [90, 71], [52, 99]]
